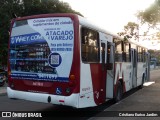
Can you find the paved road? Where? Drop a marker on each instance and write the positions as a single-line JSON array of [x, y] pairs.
[[146, 99], [3, 89]]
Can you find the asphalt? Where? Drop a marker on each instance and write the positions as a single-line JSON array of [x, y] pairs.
[[3, 89]]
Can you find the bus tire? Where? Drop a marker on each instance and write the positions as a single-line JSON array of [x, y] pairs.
[[119, 92]]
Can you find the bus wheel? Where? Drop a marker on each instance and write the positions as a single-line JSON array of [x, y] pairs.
[[119, 92]]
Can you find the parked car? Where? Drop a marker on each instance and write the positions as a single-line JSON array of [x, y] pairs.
[[3, 77]]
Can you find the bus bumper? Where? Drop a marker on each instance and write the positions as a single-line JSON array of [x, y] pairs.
[[71, 100]]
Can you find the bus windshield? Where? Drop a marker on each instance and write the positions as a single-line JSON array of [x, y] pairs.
[[42, 49]]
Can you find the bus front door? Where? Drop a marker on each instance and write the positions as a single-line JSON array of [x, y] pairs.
[[103, 72], [147, 66], [107, 58], [134, 67]]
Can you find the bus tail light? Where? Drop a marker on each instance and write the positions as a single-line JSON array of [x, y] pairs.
[[72, 79]]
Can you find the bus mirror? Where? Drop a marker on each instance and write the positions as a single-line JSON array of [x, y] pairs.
[[109, 66]]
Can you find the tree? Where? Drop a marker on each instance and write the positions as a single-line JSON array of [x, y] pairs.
[[131, 31], [8, 7], [12, 8], [34, 7], [151, 15], [158, 35]]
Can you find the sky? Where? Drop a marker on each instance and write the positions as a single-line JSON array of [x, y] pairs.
[[112, 15]]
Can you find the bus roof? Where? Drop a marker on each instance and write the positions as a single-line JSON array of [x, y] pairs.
[[83, 21], [87, 23]]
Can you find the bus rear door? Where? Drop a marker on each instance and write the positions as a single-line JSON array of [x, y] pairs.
[[134, 67], [110, 70]]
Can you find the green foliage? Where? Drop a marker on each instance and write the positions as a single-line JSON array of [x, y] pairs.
[[151, 15], [155, 36], [158, 35], [3, 54], [20, 8], [34, 7], [130, 31]]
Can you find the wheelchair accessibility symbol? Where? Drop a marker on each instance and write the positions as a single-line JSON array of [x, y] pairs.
[[58, 91]]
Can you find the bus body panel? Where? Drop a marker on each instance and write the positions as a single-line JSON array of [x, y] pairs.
[[47, 84], [71, 100], [99, 83], [123, 71], [70, 80], [141, 68], [86, 86]]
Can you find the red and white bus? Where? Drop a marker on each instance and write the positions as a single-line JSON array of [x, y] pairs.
[[64, 59]]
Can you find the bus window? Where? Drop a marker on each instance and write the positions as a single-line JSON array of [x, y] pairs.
[[108, 53], [90, 45], [124, 59], [143, 55], [118, 50], [139, 54], [27, 56], [103, 46], [128, 48], [110, 56]]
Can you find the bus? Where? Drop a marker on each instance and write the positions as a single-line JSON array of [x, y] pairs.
[[64, 59]]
